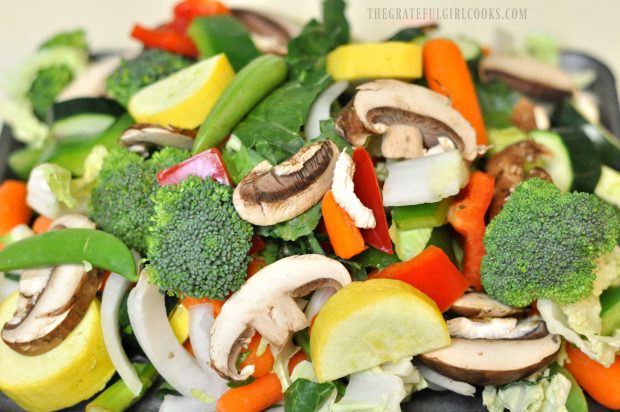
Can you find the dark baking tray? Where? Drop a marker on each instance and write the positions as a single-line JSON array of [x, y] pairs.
[[604, 87]]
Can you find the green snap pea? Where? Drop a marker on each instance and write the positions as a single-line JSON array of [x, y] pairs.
[[70, 246]]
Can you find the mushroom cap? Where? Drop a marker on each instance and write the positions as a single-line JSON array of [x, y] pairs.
[[527, 75], [494, 362], [270, 195], [141, 136], [380, 104], [494, 328], [268, 34], [266, 303], [480, 305]]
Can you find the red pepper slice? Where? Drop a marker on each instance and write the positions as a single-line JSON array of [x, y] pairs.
[[431, 272], [189, 9], [165, 39], [368, 191], [205, 164], [466, 215]]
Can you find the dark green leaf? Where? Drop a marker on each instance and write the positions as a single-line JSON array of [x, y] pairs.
[[242, 383], [306, 396], [407, 34], [239, 162], [302, 225], [372, 258], [496, 101], [328, 132], [335, 20], [302, 339]]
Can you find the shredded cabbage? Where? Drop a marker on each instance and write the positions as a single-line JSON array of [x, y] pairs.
[[544, 393]]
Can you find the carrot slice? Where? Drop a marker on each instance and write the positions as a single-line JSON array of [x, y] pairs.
[[13, 207], [345, 237]]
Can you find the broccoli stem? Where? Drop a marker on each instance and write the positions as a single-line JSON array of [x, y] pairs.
[[118, 397]]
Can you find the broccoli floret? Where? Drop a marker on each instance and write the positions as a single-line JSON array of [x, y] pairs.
[[48, 84], [198, 244], [149, 67], [76, 39], [543, 244], [121, 201]]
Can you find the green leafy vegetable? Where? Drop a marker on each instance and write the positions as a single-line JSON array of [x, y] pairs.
[[293, 229], [373, 259], [496, 101], [407, 34], [46, 86], [238, 159], [306, 396], [273, 127], [76, 39]]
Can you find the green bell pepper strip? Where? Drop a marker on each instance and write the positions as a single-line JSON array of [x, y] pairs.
[[118, 397], [421, 216], [70, 246]]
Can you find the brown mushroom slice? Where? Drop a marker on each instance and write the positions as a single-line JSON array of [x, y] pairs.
[[405, 113], [269, 195], [266, 304], [480, 305], [141, 136], [268, 35], [508, 167], [40, 326], [493, 362], [528, 76]]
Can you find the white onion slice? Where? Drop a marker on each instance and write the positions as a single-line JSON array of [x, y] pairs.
[[173, 403], [201, 321], [317, 301], [147, 314], [439, 382], [111, 300], [320, 108]]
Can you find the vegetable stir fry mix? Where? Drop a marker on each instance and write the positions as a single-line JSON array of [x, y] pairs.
[[249, 216]]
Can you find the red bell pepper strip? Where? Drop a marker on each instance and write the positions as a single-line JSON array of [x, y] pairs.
[[431, 272], [188, 9], [165, 39], [367, 189], [205, 164], [466, 215]]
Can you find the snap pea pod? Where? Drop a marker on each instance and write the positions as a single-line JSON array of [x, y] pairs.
[[70, 246], [250, 86]]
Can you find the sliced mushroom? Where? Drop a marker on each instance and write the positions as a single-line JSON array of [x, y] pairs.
[[269, 195], [480, 305], [528, 116], [268, 35], [343, 190], [527, 75], [495, 328], [141, 136], [409, 117], [493, 362], [266, 304], [52, 301], [509, 168]]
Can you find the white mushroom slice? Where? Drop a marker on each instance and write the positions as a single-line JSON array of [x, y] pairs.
[[268, 34], [270, 195], [381, 105], [496, 328], [480, 305], [141, 136], [527, 75], [493, 362], [266, 304], [343, 190]]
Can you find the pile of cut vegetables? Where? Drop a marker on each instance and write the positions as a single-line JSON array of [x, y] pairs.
[[247, 216]]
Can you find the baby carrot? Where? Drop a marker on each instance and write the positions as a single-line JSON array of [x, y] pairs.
[[254, 397], [217, 304], [13, 208], [345, 237], [41, 225], [601, 383], [446, 73], [262, 363]]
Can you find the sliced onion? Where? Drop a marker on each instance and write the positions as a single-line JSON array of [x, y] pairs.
[[439, 382], [200, 323], [113, 293], [173, 403], [318, 299], [147, 314], [320, 108]]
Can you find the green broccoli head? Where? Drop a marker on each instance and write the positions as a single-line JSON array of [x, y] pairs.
[[147, 68], [48, 84], [121, 201], [76, 39], [198, 244], [543, 244]]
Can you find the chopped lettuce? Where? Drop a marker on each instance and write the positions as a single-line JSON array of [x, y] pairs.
[[76, 39], [546, 393], [382, 388], [52, 192]]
